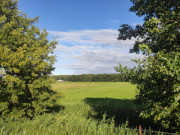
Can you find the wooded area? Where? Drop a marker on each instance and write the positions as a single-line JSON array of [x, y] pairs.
[[93, 78]]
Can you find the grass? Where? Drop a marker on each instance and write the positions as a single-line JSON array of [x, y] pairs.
[[115, 99], [75, 92], [88, 108]]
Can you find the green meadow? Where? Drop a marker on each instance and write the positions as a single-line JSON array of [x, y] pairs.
[[87, 108], [76, 92]]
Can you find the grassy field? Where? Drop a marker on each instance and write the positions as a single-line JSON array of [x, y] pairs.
[[115, 99], [88, 108], [75, 92]]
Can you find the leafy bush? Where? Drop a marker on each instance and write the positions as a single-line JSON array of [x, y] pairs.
[[157, 75], [25, 86]]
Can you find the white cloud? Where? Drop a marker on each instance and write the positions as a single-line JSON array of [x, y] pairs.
[[107, 37], [91, 51]]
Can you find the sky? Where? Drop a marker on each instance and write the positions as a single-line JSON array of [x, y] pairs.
[[86, 32]]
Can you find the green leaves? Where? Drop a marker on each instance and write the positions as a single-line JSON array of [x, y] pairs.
[[25, 87], [157, 75]]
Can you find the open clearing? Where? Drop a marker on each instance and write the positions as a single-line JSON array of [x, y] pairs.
[[88, 108], [75, 92]]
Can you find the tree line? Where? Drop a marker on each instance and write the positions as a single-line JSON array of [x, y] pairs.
[[93, 78]]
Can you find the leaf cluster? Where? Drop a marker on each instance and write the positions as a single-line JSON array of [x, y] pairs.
[[25, 86], [157, 75], [161, 27]]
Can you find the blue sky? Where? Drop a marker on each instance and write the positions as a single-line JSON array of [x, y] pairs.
[[87, 31]]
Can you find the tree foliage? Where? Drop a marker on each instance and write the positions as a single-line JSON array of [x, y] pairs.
[[25, 64], [160, 29], [157, 75], [93, 78]]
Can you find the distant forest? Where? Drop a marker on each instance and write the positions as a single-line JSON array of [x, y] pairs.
[[93, 78]]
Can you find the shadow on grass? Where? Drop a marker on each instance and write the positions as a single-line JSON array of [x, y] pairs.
[[121, 109], [56, 108]]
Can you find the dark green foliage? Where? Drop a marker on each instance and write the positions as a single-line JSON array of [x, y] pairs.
[[160, 30], [158, 74], [25, 86], [154, 8], [93, 78]]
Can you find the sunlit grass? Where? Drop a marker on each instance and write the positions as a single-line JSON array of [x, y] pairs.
[[88, 108], [75, 92], [115, 99]]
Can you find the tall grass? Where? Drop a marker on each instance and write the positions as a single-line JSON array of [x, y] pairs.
[[71, 121], [65, 123], [87, 109]]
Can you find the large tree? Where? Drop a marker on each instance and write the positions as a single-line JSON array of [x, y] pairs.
[[158, 74], [25, 64]]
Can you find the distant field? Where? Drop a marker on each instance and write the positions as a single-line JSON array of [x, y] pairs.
[[115, 99], [75, 92], [88, 108]]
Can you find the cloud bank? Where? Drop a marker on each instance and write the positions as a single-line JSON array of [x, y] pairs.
[[91, 51]]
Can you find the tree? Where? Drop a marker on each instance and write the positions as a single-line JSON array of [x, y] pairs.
[[158, 74], [25, 86]]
